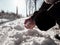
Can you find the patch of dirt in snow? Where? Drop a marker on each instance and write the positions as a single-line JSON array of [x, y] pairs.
[[14, 33]]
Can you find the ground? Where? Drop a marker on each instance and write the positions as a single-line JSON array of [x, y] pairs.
[[14, 33]]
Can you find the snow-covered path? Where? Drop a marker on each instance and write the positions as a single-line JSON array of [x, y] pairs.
[[14, 33]]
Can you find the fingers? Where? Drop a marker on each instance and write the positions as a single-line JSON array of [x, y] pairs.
[[25, 21], [29, 24]]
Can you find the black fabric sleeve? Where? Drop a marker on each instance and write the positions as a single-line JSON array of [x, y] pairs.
[[42, 9]]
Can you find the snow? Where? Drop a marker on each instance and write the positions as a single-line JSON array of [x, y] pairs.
[[1, 20], [14, 33]]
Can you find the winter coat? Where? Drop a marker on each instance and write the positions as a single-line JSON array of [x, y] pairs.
[[47, 16]]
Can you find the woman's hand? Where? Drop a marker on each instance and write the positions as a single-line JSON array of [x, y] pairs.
[[29, 23]]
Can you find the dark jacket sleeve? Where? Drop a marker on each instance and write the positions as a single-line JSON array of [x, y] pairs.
[[42, 9]]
